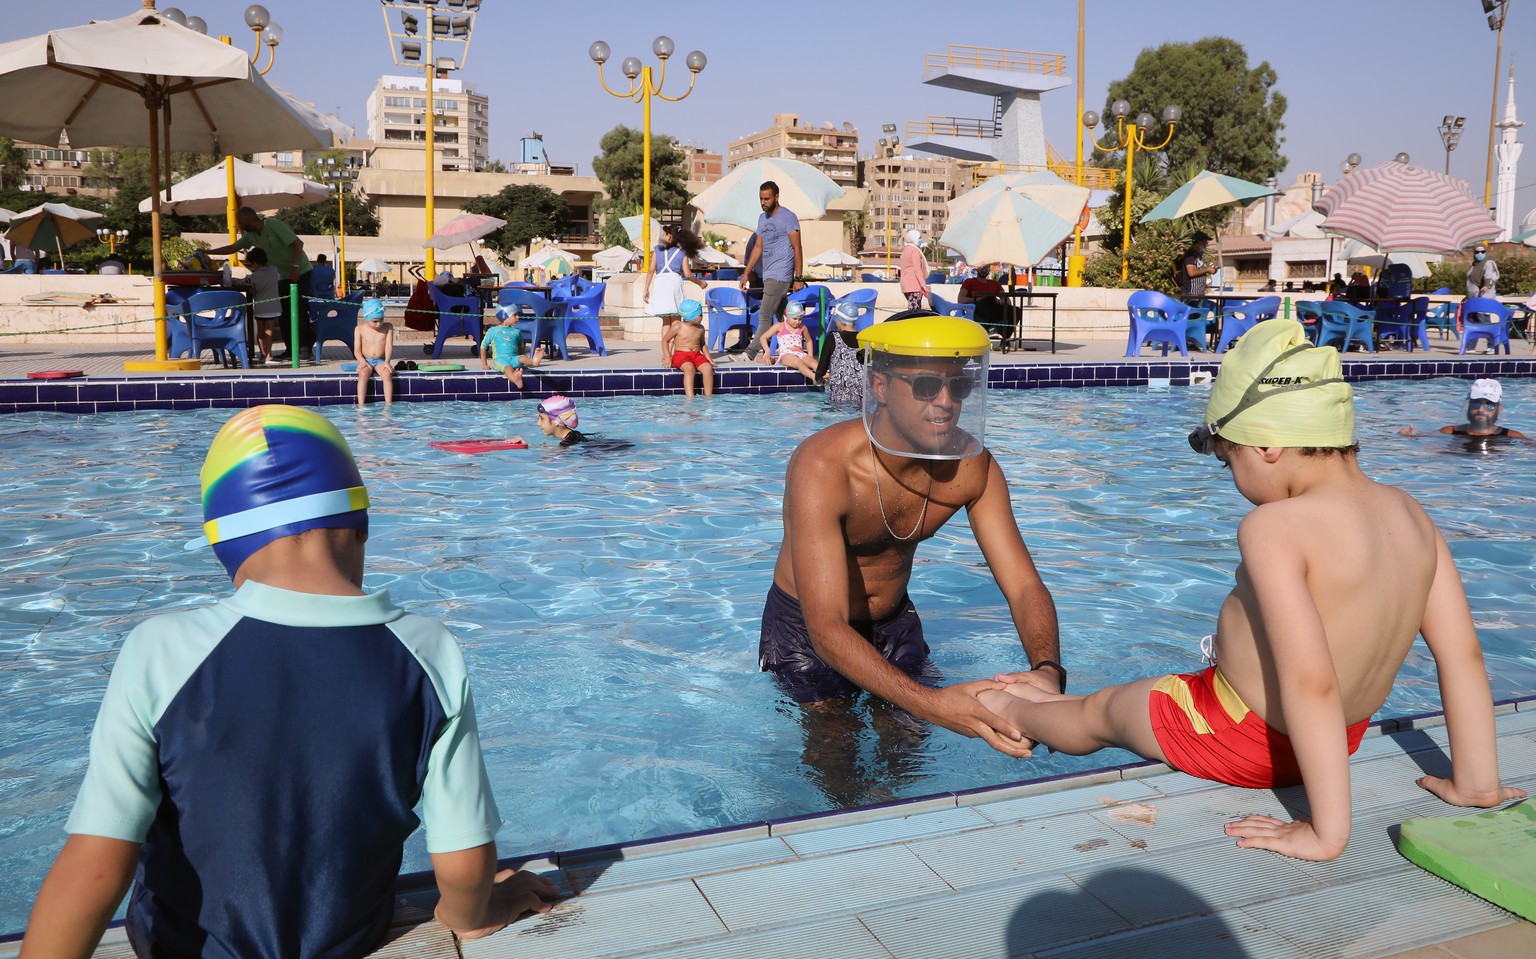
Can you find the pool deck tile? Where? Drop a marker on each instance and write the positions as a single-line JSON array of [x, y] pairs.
[[1095, 867]]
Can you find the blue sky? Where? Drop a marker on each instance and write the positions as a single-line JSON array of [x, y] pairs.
[[1366, 76]]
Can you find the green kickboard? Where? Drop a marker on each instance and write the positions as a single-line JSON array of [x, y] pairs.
[[440, 367], [1491, 855]]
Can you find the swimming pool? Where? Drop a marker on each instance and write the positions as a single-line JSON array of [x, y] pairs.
[[608, 604]]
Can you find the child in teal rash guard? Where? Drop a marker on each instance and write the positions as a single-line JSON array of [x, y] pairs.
[[502, 347], [246, 833]]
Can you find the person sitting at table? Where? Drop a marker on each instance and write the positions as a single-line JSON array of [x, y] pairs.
[[1359, 286], [1269, 287], [993, 310], [322, 278], [1484, 400], [111, 266], [1337, 287]]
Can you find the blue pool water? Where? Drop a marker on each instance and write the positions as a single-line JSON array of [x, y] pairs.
[[608, 604]]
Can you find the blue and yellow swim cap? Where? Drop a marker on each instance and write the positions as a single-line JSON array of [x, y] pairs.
[[276, 471]]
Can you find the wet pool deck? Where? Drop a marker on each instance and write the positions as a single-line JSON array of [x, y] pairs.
[[1127, 862]]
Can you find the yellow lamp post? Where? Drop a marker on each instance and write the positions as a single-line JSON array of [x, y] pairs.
[[1498, 12], [890, 146], [1076, 263], [340, 179], [111, 238], [1131, 137], [455, 26], [641, 89]]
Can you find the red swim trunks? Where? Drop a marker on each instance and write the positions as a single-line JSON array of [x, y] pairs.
[[1206, 730], [679, 357]]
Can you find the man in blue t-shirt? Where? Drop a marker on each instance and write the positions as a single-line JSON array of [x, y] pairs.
[[258, 762], [777, 257]]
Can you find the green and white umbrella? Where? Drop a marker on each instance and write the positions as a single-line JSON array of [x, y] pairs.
[[1047, 189], [803, 190], [53, 224], [1009, 227], [1207, 190], [633, 226]]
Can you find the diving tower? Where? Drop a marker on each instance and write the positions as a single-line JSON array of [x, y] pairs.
[[1014, 135]]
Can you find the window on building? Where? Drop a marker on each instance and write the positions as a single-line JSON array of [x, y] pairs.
[[283, 159]]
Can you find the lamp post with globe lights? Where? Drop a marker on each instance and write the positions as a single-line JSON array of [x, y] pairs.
[[413, 46], [1131, 137], [339, 177], [641, 89]]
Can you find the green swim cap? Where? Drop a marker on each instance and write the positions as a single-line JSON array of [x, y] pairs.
[[1275, 389]]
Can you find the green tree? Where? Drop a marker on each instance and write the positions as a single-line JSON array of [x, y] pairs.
[[13, 165], [529, 210], [856, 225], [1233, 115], [621, 167], [495, 166]]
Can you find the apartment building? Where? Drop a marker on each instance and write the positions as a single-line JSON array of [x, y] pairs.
[[910, 192], [832, 150], [397, 124], [703, 166], [59, 169]]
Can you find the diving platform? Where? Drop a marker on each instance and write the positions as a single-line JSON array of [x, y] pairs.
[[1014, 80]]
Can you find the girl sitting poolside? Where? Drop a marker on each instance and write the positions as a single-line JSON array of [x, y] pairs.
[[793, 340]]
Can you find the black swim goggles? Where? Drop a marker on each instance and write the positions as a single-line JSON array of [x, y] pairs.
[[926, 386], [1202, 438]]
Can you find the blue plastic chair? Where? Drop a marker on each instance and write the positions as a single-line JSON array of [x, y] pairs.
[[1198, 333], [1346, 323], [1483, 317], [728, 273], [1443, 291], [864, 301], [545, 317], [1394, 321], [456, 316], [1239, 319], [1442, 317], [1309, 313], [934, 278], [872, 278], [176, 298], [1156, 318], [335, 321], [945, 307], [582, 317], [727, 308], [217, 322], [817, 300]]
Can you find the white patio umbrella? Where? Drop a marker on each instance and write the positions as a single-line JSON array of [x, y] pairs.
[[1009, 227], [373, 265], [633, 226], [261, 189], [142, 80], [464, 228], [615, 258], [716, 257], [1064, 199], [803, 190], [1356, 253], [834, 258]]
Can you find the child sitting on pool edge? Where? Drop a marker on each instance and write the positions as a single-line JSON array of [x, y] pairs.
[[502, 347], [685, 349], [1308, 642], [373, 343], [278, 831]]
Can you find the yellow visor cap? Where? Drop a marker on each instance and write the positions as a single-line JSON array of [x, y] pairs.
[[1275, 389], [927, 336]]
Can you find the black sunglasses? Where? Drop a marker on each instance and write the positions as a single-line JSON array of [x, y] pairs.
[[926, 386]]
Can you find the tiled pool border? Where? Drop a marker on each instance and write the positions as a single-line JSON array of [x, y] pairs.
[[124, 394]]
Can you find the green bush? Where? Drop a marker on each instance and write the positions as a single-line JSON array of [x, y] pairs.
[[1517, 275], [1155, 249]]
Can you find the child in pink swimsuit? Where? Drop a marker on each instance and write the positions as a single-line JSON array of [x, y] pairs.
[[792, 341]]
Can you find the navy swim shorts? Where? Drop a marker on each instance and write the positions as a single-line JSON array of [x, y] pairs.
[[785, 650]]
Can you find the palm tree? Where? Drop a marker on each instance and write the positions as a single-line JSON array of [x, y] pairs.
[[856, 224]]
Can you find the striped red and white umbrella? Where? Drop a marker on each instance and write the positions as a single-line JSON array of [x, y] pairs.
[[1398, 208]]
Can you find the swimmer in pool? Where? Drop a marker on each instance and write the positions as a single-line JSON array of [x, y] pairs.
[[1308, 643], [859, 496], [1484, 401]]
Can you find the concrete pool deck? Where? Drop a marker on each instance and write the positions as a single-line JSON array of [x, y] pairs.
[[1127, 861]]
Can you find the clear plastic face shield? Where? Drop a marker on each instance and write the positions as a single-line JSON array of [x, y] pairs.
[[925, 384]]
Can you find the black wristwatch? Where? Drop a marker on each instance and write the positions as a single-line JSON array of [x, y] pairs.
[[1056, 666]]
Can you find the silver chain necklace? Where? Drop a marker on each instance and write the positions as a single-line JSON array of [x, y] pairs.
[[879, 498]]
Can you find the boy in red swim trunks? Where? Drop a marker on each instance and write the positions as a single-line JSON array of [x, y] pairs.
[[684, 347], [1310, 639]]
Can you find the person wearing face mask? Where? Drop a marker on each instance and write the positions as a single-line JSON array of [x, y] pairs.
[[1483, 275]]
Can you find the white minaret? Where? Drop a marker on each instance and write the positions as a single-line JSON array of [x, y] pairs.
[[1508, 152]]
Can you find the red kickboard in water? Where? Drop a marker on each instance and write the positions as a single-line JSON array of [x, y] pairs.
[[478, 446], [55, 374]]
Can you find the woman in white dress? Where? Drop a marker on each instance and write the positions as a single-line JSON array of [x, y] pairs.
[[669, 268]]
